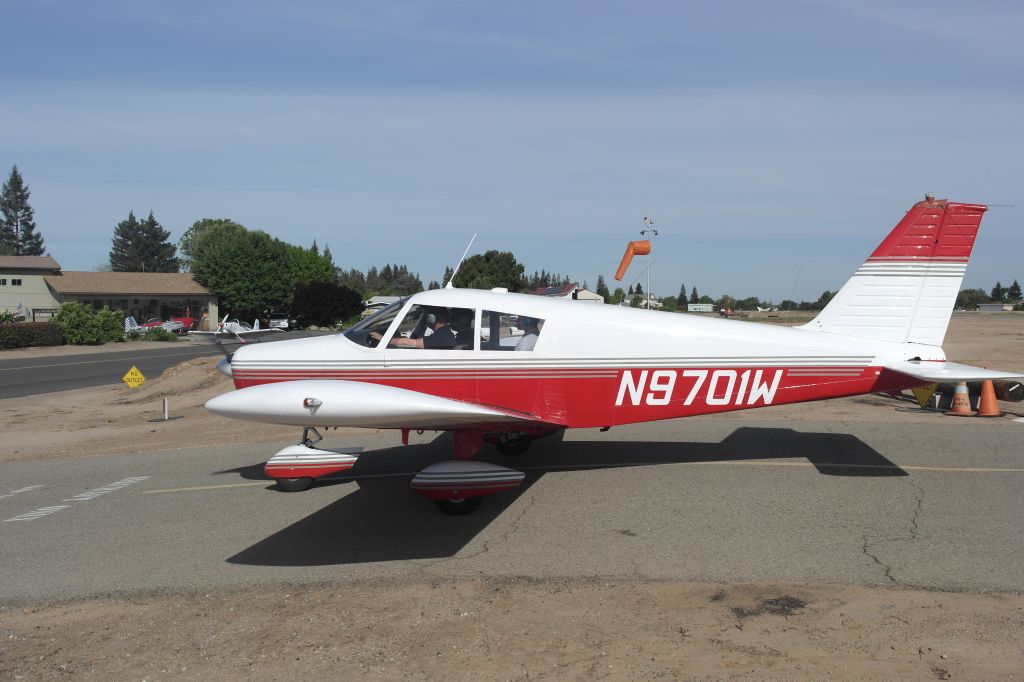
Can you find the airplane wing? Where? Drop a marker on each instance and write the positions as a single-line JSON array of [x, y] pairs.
[[336, 402], [948, 372], [242, 336]]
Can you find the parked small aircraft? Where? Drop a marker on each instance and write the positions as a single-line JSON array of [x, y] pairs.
[[769, 309], [445, 360], [243, 332], [152, 324]]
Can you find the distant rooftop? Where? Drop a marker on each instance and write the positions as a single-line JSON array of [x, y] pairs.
[[558, 290], [28, 263], [126, 283]]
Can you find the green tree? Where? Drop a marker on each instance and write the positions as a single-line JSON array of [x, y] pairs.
[[824, 299], [309, 265], [490, 270], [668, 304], [618, 296], [602, 289], [18, 236], [681, 298], [998, 293], [248, 271], [325, 303], [969, 299], [142, 246], [726, 301], [693, 296], [192, 234], [1013, 293]]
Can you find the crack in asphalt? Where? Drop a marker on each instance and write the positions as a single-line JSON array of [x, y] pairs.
[[487, 545], [911, 535]]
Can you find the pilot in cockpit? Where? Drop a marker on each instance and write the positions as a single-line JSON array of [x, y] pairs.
[[442, 338]]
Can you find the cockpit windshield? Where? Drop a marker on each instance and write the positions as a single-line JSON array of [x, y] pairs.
[[377, 322]]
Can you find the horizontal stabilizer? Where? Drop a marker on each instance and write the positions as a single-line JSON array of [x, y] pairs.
[[948, 372]]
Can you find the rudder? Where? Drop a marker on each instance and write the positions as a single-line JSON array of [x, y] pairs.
[[906, 289]]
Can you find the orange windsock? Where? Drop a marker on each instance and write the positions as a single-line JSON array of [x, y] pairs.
[[640, 248]]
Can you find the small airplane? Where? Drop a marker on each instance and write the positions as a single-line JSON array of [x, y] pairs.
[[242, 332], [444, 360], [152, 324], [769, 309]]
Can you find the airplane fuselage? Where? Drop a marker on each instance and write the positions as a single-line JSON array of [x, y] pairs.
[[593, 365]]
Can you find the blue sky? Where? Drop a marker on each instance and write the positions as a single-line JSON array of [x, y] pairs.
[[774, 144]]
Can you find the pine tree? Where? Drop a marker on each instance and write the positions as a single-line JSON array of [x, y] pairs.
[[998, 293], [18, 234], [630, 292], [602, 289], [693, 296], [1014, 291], [142, 247], [638, 290], [681, 298]]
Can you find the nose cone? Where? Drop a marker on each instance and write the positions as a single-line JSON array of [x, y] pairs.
[[232, 404], [224, 366]]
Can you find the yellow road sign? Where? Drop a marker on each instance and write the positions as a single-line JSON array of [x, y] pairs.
[[133, 377], [924, 394]]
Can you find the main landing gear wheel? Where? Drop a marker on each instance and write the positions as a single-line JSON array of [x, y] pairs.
[[512, 444], [294, 485], [460, 506]]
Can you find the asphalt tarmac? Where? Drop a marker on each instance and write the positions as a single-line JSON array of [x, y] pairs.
[[46, 374], [694, 500]]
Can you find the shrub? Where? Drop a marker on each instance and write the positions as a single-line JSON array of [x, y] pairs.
[[6, 317], [110, 324], [160, 334], [30, 334], [79, 324]]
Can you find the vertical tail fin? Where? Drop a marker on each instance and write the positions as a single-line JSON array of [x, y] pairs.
[[905, 291]]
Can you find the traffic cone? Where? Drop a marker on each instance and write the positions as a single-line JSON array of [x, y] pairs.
[[987, 404], [961, 405]]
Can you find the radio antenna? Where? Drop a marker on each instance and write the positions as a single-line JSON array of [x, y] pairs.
[[449, 285]]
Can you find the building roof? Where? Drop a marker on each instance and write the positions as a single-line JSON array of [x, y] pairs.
[[28, 263], [126, 283], [557, 290]]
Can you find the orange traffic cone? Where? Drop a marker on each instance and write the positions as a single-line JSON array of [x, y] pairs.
[[987, 405], [961, 405]]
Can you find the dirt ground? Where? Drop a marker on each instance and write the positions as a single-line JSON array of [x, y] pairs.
[[509, 629]]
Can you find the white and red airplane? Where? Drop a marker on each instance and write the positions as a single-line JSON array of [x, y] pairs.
[[446, 360]]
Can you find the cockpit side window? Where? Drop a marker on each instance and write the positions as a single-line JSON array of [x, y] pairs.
[[365, 331], [435, 328], [509, 331]]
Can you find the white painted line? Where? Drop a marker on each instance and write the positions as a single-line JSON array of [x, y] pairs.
[[22, 490], [264, 483], [37, 513], [96, 492]]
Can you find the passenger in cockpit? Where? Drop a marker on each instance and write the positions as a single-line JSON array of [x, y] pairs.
[[530, 333], [443, 337]]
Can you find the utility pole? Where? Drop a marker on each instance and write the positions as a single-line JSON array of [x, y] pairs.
[[646, 233]]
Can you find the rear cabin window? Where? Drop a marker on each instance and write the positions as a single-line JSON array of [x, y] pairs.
[[435, 328], [509, 331]]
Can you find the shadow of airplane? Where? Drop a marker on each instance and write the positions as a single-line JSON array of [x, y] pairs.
[[382, 521]]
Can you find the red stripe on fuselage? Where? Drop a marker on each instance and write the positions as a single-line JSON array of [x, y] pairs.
[[606, 397]]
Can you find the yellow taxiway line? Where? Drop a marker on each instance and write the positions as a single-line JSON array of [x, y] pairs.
[[553, 469]]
